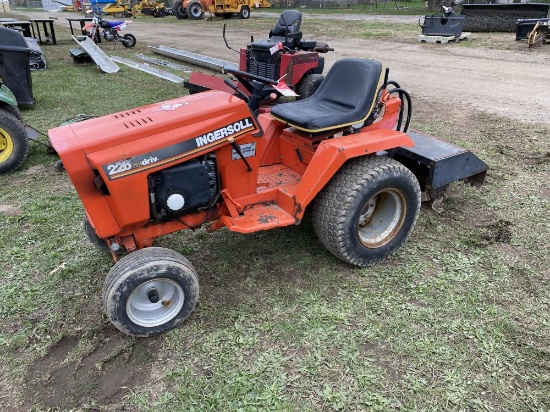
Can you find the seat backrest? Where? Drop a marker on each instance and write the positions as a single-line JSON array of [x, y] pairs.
[[352, 83], [287, 26], [347, 96]]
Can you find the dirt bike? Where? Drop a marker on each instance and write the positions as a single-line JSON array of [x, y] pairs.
[[99, 28]]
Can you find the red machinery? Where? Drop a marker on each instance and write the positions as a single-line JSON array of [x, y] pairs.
[[284, 55]]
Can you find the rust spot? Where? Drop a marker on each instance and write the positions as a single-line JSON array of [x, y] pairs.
[[266, 218], [166, 303]]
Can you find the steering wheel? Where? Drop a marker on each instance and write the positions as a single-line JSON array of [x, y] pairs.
[[254, 84], [249, 76]]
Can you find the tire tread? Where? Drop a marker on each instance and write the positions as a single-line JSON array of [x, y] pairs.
[[331, 207]]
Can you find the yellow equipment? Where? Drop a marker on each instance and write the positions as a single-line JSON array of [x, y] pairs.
[[195, 9], [125, 8]]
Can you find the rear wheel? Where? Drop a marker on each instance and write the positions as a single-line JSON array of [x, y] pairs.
[[195, 10], [309, 85], [368, 210], [150, 291], [245, 12], [13, 110], [128, 40], [14, 144], [179, 10]]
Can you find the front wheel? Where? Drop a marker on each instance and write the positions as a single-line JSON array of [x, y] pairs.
[[179, 10], [368, 210], [195, 10], [128, 40], [150, 291], [14, 144], [245, 12]]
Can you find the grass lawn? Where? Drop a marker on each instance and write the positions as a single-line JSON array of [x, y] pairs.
[[458, 319]]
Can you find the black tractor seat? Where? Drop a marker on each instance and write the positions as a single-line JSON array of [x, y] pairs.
[[286, 31], [346, 96]]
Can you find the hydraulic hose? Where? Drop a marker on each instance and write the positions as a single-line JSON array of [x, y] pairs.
[[402, 93]]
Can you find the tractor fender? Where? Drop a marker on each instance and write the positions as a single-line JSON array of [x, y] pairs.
[[333, 153], [7, 96]]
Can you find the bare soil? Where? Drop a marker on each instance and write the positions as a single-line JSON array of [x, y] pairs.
[[477, 91]]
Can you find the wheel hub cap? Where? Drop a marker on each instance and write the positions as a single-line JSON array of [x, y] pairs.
[[381, 218], [6, 145], [155, 302]]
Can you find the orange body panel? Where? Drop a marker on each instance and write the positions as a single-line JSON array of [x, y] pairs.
[[110, 159], [125, 147]]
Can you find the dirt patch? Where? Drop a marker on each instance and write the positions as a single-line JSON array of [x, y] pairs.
[[104, 374], [10, 210], [498, 232]]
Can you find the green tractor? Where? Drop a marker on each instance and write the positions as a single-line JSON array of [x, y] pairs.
[[14, 143]]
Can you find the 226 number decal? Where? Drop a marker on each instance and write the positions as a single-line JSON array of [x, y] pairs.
[[118, 167]]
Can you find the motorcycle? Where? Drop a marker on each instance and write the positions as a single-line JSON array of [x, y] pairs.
[[110, 31]]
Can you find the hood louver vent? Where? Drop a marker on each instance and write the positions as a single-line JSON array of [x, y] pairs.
[[127, 114], [138, 122]]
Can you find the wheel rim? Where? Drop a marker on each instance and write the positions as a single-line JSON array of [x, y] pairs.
[[6, 145], [196, 10], [381, 218], [155, 302]]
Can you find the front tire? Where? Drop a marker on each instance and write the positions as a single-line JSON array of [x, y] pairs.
[[368, 210], [98, 242], [128, 40], [245, 12], [195, 10], [150, 291], [14, 145]]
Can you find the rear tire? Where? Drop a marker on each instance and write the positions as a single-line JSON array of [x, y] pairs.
[[14, 145], [179, 10], [309, 85], [128, 40], [245, 12], [195, 10], [368, 210], [13, 110], [150, 291]]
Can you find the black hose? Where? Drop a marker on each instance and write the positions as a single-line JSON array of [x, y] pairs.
[[403, 93], [393, 83]]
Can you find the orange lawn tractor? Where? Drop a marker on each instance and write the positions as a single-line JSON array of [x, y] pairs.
[[214, 159]]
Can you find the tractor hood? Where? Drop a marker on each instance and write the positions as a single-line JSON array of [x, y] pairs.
[[155, 134], [116, 153], [131, 126]]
